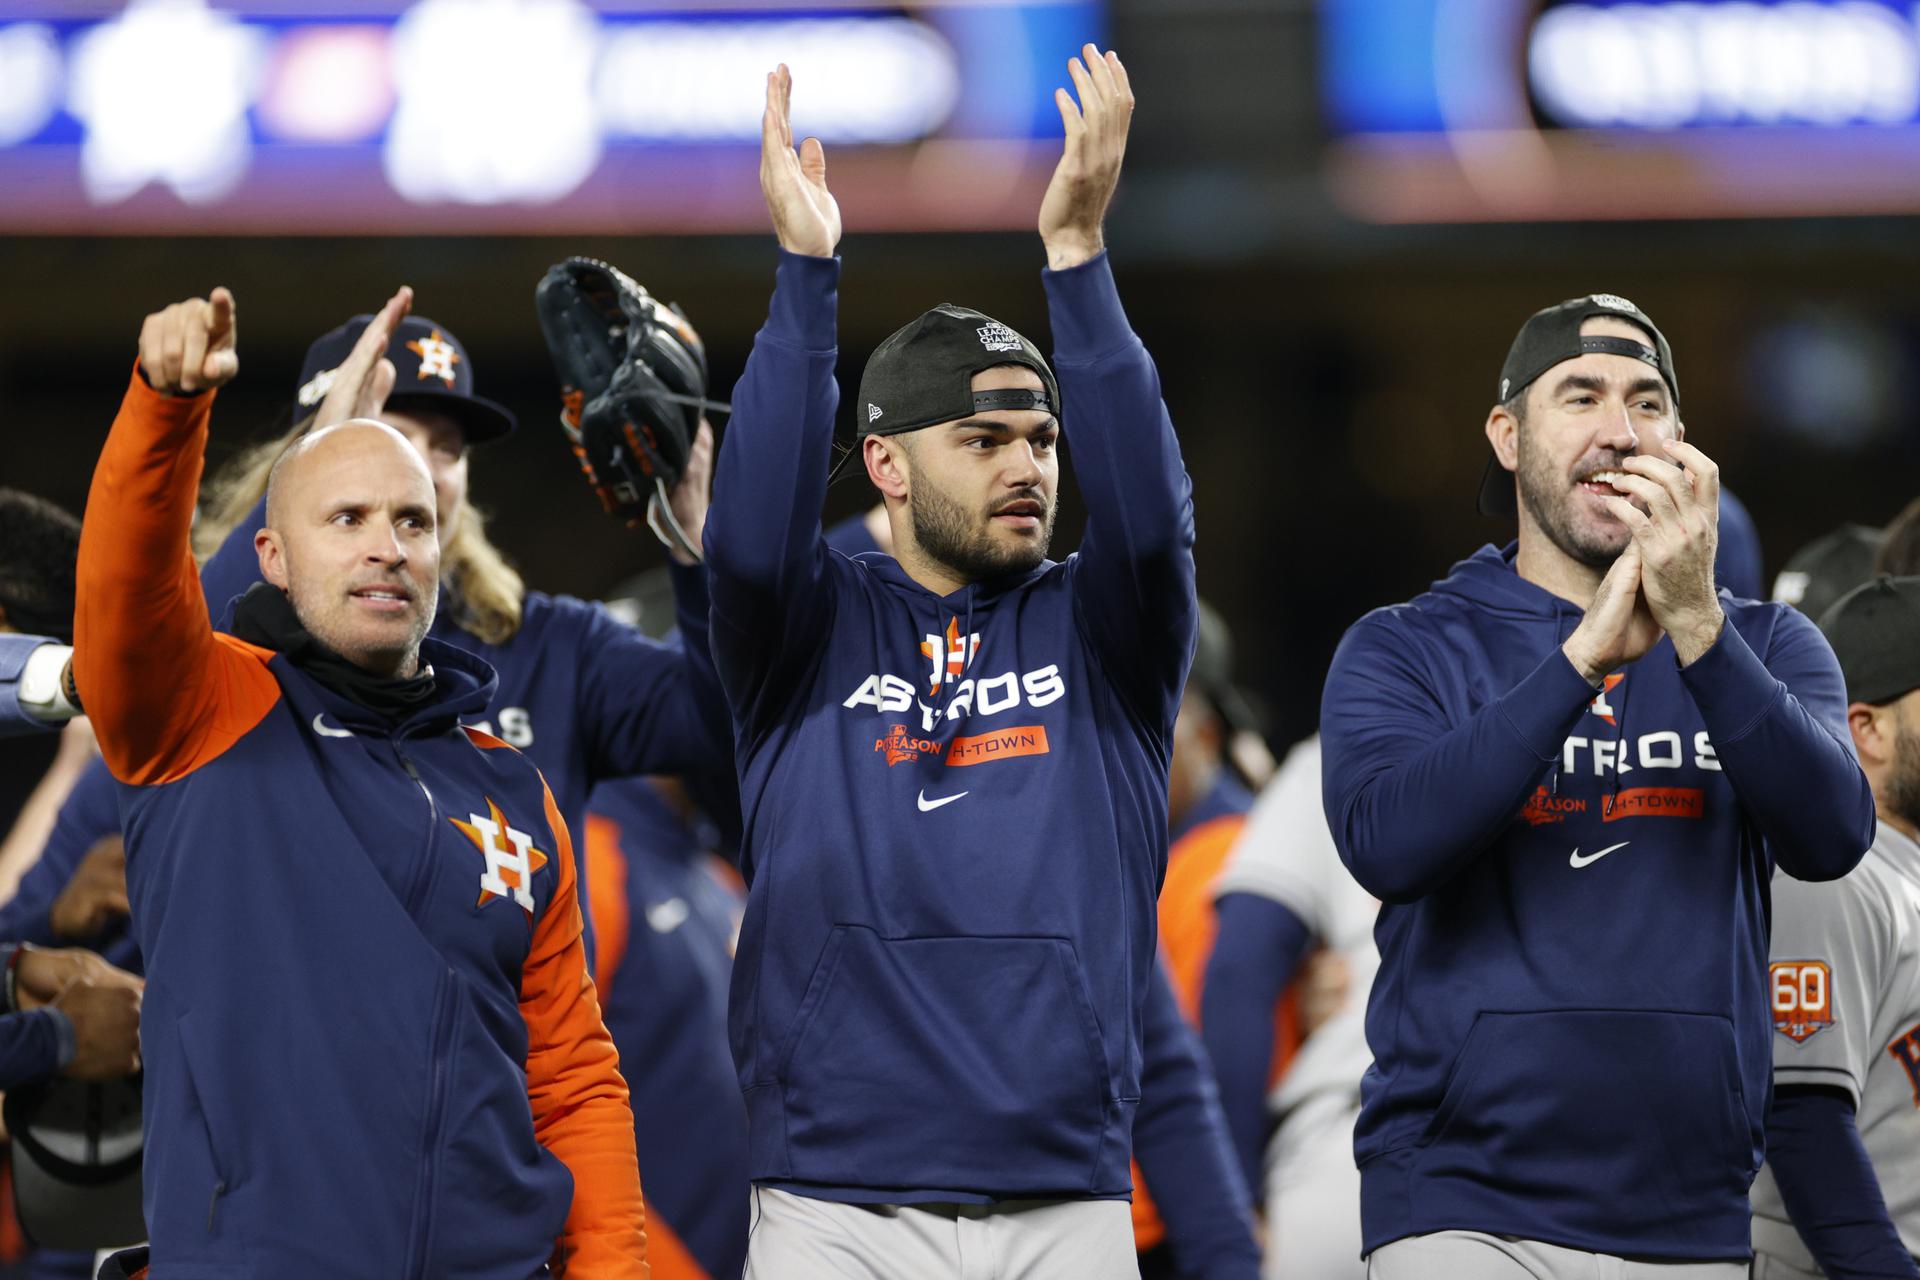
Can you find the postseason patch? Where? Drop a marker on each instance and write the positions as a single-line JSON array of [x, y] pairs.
[[1802, 996]]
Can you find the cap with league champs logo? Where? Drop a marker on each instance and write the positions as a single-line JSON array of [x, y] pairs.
[[1552, 336], [434, 374], [923, 375]]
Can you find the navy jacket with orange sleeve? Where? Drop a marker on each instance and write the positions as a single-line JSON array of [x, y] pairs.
[[371, 1045]]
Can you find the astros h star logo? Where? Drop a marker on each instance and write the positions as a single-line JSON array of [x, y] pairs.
[[950, 654], [437, 357], [511, 858]]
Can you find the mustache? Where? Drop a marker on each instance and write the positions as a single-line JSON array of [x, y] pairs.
[[1025, 496], [397, 585]]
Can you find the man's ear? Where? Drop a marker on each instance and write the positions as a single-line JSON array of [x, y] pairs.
[[886, 461], [273, 557], [1872, 728], [1503, 433]]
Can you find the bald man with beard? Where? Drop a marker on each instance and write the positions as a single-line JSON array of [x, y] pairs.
[[371, 1045]]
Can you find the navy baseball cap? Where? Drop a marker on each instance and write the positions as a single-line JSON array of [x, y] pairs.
[[922, 375], [434, 373], [1552, 336]]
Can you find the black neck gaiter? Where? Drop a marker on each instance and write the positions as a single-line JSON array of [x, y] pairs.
[[266, 617]]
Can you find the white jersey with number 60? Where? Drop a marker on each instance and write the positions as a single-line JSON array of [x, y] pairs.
[[1844, 980]]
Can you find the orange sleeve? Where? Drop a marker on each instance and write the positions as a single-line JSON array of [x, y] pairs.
[[607, 898], [580, 1108], [667, 1254], [165, 692]]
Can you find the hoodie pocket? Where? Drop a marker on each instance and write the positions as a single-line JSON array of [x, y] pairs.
[[1595, 1107], [201, 1174], [955, 1063]]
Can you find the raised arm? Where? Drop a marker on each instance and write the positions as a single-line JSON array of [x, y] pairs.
[[163, 692], [1134, 576], [766, 559]]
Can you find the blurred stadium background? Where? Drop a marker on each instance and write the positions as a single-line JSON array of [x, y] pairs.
[[1334, 218]]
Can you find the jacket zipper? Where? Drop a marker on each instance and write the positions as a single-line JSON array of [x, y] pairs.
[[422, 872], [430, 1136]]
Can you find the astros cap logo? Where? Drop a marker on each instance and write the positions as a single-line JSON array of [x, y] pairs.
[[437, 357]]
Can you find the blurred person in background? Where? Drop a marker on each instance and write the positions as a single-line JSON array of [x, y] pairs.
[[1818, 574], [1199, 1226], [341, 1041], [1840, 1193], [66, 1012], [1282, 893], [1568, 773], [1207, 801], [667, 910], [1899, 553], [38, 545]]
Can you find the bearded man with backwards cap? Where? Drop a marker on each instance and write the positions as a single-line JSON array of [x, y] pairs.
[[1568, 771], [954, 762]]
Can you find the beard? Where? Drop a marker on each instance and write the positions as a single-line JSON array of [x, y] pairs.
[[1549, 499], [1903, 780], [949, 534], [329, 619]]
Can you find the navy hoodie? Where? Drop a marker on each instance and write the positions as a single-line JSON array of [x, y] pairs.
[[1570, 1026], [955, 807]]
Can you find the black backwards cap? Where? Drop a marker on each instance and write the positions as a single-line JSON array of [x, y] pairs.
[[1829, 567], [923, 375], [434, 373], [1552, 337], [1875, 633]]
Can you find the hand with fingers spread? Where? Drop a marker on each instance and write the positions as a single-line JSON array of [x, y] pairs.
[[1677, 536], [1619, 627], [1075, 206], [189, 347], [806, 217], [365, 378]]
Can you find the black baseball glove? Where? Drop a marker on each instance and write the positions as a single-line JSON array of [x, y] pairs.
[[633, 383]]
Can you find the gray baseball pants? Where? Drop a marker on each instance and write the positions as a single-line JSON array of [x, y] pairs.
[[798, 1238], [1475, 1255]]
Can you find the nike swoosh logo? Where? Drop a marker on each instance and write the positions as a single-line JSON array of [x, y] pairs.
[[928, 806], [1577, 861], [667, 916], [319, 727]]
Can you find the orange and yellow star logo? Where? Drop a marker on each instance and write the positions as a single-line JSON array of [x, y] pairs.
[[511, 858], [437, 357]]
